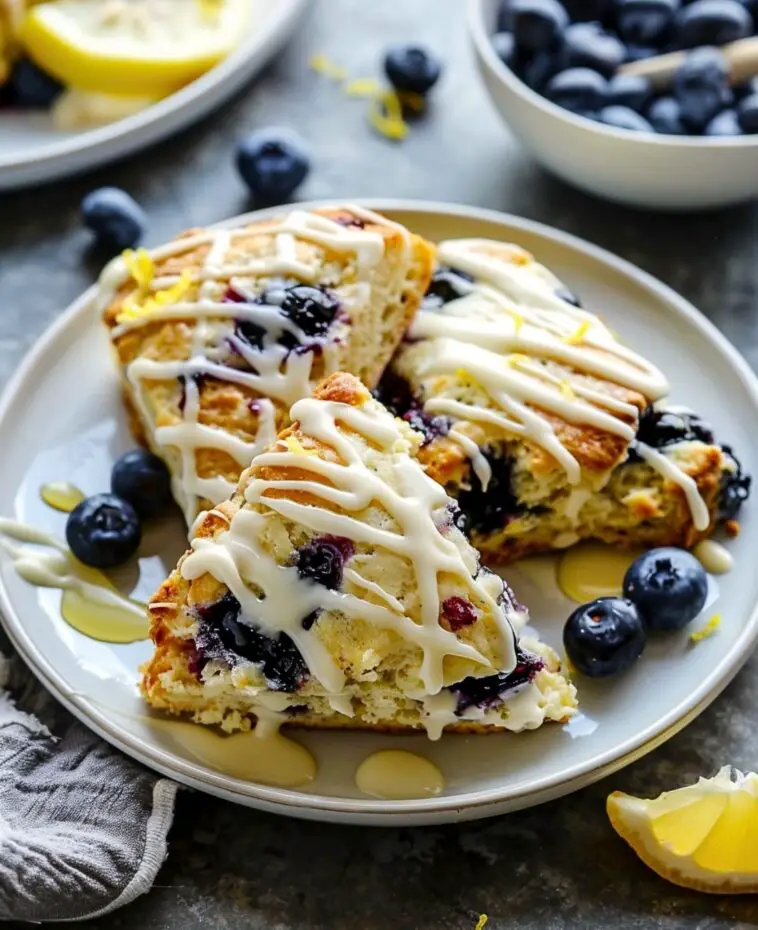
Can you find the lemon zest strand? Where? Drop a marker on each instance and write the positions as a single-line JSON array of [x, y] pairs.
[[566, 390], [708, 630], [142, 305], [363, 87], [140, 266], [480, 924], [579, 333], [294, 445], [327, 67], [386, 116], [518, 322]]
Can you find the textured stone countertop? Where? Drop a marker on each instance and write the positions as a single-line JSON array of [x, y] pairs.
[[556, 866]]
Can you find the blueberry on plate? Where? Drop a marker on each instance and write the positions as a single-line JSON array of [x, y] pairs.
[[587, 45], [630, 90], [700, 86], [665, 116], [604, 637], [578, 89], [412, 68], [624, 118], [669, 587], [142, 479], [273, 163], [505, 48], [537, 24], [30, 87], [712, 22], [103, 531], [645, 22], [747, 113], [116, 219], [726, 123]]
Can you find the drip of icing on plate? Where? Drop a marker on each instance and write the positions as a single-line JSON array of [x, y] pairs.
[[273, 370], [591, 569], [90, 603], [503, 334], [396, 775]]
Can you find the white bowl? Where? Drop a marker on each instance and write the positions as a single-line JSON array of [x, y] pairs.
[[641, 169]]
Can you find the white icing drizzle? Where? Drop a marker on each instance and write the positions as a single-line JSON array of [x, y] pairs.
[[413, 501], [479, 462], [504, 333], [272, 371]]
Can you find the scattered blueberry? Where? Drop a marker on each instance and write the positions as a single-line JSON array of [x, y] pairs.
[[504, 16], [537, 24], [30, 87], [143, 480], [505, 48], [578, 89], [712, 22], [747, 113], [624, 118], [103, 531], [725, 123], [665, 116], [586, 11], [700, 86], [412, 68], [587, 45], [273, 163], [639, 52], [322, 560], [537, 72], [630, 90], [312, 309], [669, 587], [604, 637], [645, 22], [116, 219], [747, 89]]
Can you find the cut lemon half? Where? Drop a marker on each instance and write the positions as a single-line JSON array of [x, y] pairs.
[[132, 47], [704, 836]]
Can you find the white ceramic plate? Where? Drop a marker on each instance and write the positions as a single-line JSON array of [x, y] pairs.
[[61, 418], [32, 151]]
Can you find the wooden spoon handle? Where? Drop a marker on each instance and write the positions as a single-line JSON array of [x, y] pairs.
[[742, 57]]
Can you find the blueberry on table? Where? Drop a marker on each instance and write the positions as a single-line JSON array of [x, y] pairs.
[[700, 86], [665, 116], [604, 637], [587, 45], [505, 48], [103, 531], [747, 113], [624, 118], [30, 87], [412, 68], [725, 123], [116, 219], [712, 22], [630, 90], [669, 587], [142, 479], [578, 89], [273, 163], [538, 24], [645, 22]]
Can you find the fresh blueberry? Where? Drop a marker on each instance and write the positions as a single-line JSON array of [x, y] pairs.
[[537, 72], [639, 52], [447, 284], [700, 86], [412, 68], [747, 112], [669, 587], [586, 45], [604, 637], [726, 123], [312, 309], [747, 89], [630, 90], [273, 163], [661, 428], [116, 219], [537, 24], [30, 87], [645, 22], [578, 89], [103, 531], [142, 479], [665, 116], [587, 11], [624, 118], [752, 7], [504, 16], [505, 48], [322, 560], [712, 22]]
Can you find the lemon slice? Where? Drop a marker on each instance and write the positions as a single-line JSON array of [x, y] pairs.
[[132, 47], [704, 836]]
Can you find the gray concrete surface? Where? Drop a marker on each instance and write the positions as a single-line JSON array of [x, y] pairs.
[[558, 866]]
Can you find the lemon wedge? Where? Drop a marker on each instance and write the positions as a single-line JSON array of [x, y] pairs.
[[132, 47], [704, 836]]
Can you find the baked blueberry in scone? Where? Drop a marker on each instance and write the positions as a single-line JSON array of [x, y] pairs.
[[335, 589], [542, 424], [219, 332]]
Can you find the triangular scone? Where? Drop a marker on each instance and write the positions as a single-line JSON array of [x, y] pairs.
[[544, 427], [335, 589], [219, 332]]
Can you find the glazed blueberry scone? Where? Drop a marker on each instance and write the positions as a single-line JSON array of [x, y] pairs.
[[219, 332], [334, 589], [542, 424]]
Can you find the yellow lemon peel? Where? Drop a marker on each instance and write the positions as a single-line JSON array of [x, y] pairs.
[[140, 266], [567, 391], [386, 116], [363, 87], [579, 333], [327, 67], [142, 305], [294, 445], [516, 358], [708, 630], [480, 924], [518, 322]]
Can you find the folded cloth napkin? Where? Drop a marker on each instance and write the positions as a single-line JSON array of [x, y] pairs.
[[82, 828]]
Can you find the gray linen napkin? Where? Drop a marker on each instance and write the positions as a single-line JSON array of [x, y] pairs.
[[82, 828]]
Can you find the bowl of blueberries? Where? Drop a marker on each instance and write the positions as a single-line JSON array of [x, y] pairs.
[[584, 84]]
